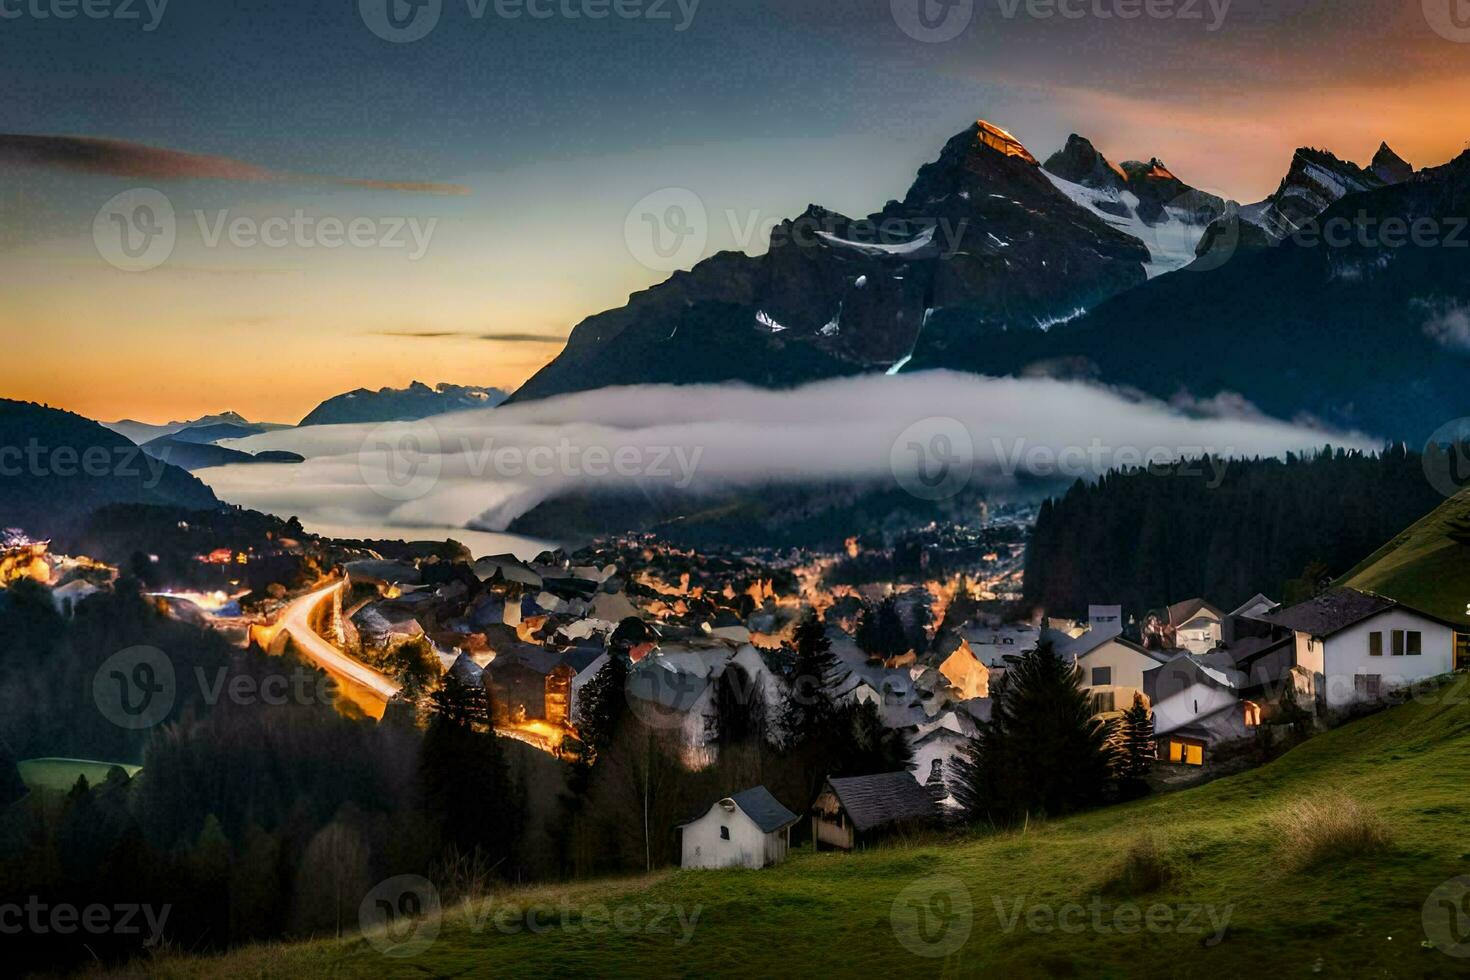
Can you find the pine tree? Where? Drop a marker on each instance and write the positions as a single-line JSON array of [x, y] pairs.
[[1136, 740], [739, 715], [893, 639], [602, 705], [809, 704], [866, 635], [1042, 753]]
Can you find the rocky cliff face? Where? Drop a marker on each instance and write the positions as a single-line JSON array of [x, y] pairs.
[[983, 241]]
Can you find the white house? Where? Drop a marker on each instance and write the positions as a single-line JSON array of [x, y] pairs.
[[1360, 645], [750, 829], [935, 745], [1113, 668]]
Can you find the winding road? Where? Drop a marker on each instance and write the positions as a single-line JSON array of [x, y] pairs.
[[296, 621]]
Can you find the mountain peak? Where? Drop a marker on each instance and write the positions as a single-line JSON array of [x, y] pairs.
[[1389, 166], [997, 139], [1081, 163]]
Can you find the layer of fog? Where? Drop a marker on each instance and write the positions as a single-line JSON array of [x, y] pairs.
[[482, 469]]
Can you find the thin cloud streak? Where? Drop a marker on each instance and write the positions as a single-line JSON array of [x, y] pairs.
[[120, 158]]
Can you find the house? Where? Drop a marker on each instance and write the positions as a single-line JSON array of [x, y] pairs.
[[935, 745], [1196, 625], [1113, 668], [1105, 620], [1196, 706], [1359, 645], [750, 829], [853, 811], [1248, 619]]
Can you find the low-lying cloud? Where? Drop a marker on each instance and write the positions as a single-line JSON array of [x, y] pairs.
[[932, 432]]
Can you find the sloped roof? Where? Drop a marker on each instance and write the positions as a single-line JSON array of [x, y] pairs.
[[765, 810], [1253, 607], [1331, 612], [1182, 612], [885, 798], [1092, 640]]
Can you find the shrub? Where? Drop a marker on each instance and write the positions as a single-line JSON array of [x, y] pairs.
[[1328, 827], [1144, 869]]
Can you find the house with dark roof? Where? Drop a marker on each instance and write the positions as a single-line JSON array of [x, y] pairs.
[[1358, 645], [852, 811], [749, 829], [1196, 706]]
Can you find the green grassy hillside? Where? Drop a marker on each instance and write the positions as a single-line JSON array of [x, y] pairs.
[[62, 774], [1427, 566], [1359, 914]]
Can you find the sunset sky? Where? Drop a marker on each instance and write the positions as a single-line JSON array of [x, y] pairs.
[[518, 146]]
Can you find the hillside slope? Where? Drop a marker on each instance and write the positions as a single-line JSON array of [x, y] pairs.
[[1427, 566], [1361, 916]]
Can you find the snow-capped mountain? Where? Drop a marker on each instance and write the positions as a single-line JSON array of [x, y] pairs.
[[1143, 200], [1363, 332], [417, 401], [1316, 180], [983, 241], [224, 425]]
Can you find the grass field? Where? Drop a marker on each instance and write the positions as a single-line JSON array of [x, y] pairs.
[[61, 774], [1424, 567], [1228, 848]]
